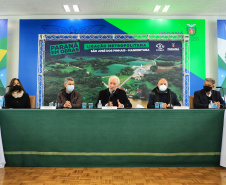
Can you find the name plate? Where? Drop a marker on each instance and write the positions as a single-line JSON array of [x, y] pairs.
[[180, 107], [48, 107], [110, 107]]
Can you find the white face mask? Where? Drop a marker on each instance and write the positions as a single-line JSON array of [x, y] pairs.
[[70, 88], [162, 87]]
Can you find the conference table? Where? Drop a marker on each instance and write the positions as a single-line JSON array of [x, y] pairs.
[[111, 138]]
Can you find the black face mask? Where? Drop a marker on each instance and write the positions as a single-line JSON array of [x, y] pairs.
[[16, 88], [207, 88]]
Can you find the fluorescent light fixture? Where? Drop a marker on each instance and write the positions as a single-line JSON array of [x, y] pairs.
[[157, 7], [66, 8], [76, 9], [165, 9]]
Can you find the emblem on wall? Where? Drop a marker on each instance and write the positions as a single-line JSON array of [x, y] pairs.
[[191, 29]]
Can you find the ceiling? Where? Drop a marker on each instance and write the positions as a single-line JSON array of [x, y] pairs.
[[113, 7]]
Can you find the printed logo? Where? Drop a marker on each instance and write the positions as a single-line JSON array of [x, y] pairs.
[[191, 29], [160, 47], [173, 48]]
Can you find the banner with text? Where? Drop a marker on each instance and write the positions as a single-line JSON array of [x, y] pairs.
[[138, 64]]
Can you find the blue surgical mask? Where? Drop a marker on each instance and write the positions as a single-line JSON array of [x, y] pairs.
[[70, 88]]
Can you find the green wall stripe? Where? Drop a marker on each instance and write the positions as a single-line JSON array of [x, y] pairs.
[[111, 154]]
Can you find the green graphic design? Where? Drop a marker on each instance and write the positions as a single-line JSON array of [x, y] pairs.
[[3, 56], [171, 26], [221, 63]]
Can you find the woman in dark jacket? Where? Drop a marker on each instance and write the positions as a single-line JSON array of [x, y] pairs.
[[16, 97]]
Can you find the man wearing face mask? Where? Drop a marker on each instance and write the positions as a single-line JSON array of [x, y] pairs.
[[162, 94], [113, 96], [203, 97], [68, 97]]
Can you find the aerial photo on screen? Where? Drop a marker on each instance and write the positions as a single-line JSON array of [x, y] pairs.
[[139, 71]]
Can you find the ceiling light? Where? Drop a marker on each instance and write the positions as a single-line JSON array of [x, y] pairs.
[[76, 9], [66, 8], [165, 9], [157, 7]]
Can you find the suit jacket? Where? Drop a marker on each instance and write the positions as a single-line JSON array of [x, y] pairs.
[[201, 100], [76, 99], [167, 97], [119, 94]]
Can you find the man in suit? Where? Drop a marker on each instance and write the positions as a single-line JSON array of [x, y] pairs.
[[68, 97], [113, 96], [203, 97], [162, 94]]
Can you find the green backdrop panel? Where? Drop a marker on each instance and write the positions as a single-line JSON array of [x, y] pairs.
[[171, 26]]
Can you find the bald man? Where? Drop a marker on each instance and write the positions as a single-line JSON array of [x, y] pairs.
[[113, 96], [162, 94]]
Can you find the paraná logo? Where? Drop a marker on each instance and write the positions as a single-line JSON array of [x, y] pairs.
[[191, 29]]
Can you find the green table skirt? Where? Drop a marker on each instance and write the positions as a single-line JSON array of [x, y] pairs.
[[100, 138]]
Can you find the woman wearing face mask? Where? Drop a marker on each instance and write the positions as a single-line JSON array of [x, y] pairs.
[[162, 94], [68, 97], [16, 97]]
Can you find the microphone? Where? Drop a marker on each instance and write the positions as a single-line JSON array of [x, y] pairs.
[[3, 105], [111, 94], [57, 106], [223, 95], [170, 95]]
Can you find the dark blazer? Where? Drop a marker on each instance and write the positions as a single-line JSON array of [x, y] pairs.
[[201, 100], [167, 97], [119, 94], [23, 102], [76, 99]]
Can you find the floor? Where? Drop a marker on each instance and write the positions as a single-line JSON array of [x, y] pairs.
[[114, 176]]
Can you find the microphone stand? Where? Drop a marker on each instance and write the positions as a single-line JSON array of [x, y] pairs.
[[223, 95], [109, 99], [170, 101], [57, 106], [111, 94], [3, 104]]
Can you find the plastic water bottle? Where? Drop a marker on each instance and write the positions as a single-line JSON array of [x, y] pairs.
[[99, 105], [210, 104]]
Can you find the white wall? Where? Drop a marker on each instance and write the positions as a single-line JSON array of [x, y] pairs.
[[13, 38]]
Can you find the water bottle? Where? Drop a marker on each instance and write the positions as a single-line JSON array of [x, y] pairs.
[[99, 105], [210, 104]]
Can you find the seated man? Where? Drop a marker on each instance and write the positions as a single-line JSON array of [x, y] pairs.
[[113, 96], [162, 94], [203, 97], [68, 97]]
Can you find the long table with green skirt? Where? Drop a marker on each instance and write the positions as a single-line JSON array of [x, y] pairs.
[[114, 138]]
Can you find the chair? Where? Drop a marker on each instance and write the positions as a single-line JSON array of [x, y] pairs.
[[191, 102], [32, 101]]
